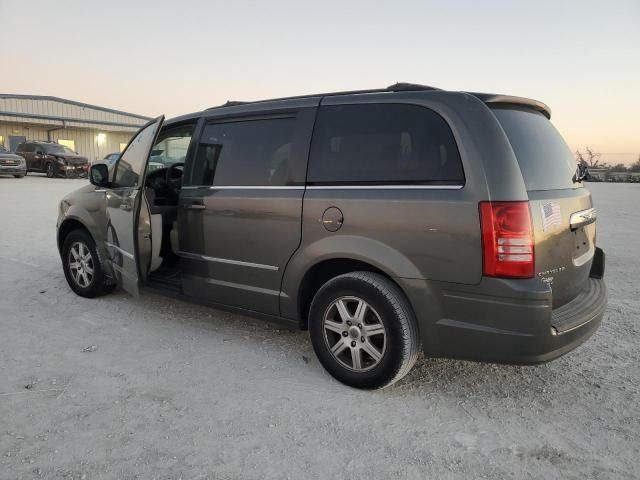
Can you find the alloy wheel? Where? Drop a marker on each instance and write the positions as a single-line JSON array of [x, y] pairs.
[[81, 264], [354, 333]]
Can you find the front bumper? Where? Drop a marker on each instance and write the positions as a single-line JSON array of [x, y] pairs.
[[20, 169], [506, 321], [72, 171]]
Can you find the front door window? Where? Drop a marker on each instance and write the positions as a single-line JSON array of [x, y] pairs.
[[171, 147], [130, 167]]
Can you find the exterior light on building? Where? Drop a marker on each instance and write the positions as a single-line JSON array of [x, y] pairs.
[[101, 138]]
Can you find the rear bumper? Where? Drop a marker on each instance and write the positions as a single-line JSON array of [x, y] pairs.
[[504, 321]]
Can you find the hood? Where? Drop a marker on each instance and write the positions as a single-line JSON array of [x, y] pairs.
[[10, 156]]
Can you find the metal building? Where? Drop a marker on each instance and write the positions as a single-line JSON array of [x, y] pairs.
[[90, 130]]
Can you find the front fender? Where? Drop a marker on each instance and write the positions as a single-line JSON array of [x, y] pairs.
[[91, 217]]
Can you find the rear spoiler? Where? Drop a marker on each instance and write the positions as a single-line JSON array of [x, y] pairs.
[[497, 99]]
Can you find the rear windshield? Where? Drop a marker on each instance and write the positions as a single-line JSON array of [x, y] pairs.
[[545, 160]]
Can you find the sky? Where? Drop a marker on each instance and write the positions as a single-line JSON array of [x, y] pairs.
[[582, 58]]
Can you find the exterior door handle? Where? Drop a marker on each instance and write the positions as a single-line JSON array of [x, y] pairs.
[[195, 206]]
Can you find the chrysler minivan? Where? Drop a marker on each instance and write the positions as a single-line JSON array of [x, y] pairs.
[[383, 221]]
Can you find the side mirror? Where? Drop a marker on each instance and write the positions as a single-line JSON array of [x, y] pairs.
[[99, 175]]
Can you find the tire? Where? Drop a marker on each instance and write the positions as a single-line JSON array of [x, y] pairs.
[[90, 285], [50, 170], [19, 176], [388, 325]]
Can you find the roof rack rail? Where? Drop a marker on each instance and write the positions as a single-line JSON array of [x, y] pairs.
[[233, 103], [397, 87], [408, 87]]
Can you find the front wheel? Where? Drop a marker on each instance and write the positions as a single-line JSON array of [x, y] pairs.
[[82, 267], [19, 176], [363, 330], [51, 170]]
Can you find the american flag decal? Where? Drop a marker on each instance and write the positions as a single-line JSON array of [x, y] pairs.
[[551, 216]]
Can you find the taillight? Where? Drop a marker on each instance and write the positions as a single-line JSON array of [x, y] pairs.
[[507, 239]]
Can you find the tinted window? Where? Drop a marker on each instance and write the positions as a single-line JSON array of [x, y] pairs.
[[254, 152], [133, 159], [21, 148], [383, 143], [545, 160]]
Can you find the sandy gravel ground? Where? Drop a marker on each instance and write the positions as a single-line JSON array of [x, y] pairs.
[[175, 390]]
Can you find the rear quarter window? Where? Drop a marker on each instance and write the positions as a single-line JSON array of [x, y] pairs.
[[545, 160], [383, 144]]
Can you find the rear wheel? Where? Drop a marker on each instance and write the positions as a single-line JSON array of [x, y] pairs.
[[19, 176], [363, 330], [82, 267]]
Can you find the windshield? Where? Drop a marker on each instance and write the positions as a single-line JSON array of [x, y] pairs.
[[545, 160], [56, 148]]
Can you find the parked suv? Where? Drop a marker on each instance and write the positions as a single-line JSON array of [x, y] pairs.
[[383, 221], [11, 164], [53, 159]]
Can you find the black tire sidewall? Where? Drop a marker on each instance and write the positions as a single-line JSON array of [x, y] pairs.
[[53, 170], [96, 287], [391, 362]]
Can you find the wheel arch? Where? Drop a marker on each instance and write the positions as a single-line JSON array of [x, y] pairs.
[[323, 271], [67, 226], [334, 255]]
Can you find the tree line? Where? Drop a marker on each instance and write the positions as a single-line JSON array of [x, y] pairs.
[[592, 159]]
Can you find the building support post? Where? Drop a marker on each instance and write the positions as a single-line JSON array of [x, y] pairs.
[[64, 125]]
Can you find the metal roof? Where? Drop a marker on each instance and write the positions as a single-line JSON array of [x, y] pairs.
[[71, 102]]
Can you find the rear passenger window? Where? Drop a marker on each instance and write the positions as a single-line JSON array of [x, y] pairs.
[[244, 153], [383, 144]]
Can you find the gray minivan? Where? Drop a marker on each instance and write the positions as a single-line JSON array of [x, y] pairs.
[[383, 221]]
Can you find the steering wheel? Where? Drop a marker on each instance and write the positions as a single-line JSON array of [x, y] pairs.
[[173, 177]]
